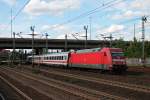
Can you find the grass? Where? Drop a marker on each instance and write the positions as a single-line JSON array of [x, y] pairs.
[[36, 71]]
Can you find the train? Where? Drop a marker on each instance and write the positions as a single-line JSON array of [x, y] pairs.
[[104, 59]]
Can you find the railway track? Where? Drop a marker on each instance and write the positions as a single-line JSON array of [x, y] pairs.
[[70, 88], [18, 91], [98, 86], [101, 81], [1, 97]]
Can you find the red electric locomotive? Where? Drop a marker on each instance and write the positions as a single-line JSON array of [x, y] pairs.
[[105, 59]]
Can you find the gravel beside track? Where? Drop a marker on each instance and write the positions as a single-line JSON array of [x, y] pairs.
[[8, 92], [132, 77], [77, 91], [139, 69], [116, 88], [22, 86]]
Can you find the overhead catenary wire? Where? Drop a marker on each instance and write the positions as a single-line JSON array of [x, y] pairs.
[[102, 7], [19, 11]]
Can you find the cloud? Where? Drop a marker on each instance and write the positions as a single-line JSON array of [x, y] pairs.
[[60, 31], [52, 7], [140, 4], [9, 2], [127, 15], [56, 28], [113, 28], [130, 9], [3, 26]]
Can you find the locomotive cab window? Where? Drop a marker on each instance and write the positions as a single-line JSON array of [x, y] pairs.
[[115, 54]]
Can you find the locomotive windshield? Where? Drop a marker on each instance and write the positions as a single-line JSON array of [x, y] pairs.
[[116, 54]]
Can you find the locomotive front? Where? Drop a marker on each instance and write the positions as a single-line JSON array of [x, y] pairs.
[[118, 60]]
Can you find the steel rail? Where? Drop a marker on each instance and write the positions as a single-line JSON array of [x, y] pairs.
[[23, 95], [39, 91], [2, 97], [102, 81], [80, 93]]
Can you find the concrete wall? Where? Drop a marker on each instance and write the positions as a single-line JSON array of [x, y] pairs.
[[137, 62]]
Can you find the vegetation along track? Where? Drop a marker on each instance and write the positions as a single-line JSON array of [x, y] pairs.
[[122, 89], [83, 93]]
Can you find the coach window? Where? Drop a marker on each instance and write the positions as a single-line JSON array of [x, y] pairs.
[[64, 57]]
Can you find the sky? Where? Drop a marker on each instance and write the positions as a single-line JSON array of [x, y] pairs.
[[60, 17]]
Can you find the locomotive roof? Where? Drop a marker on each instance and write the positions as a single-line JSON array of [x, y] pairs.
[[88, 50]]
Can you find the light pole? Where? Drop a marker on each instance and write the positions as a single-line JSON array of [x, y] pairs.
[[103, 36], [144, 19], [90, 20], [109, 37], [65, 42], [86, 28], [110, 40], [11, 21], [46, 34], [32, 29], [13, 58]]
